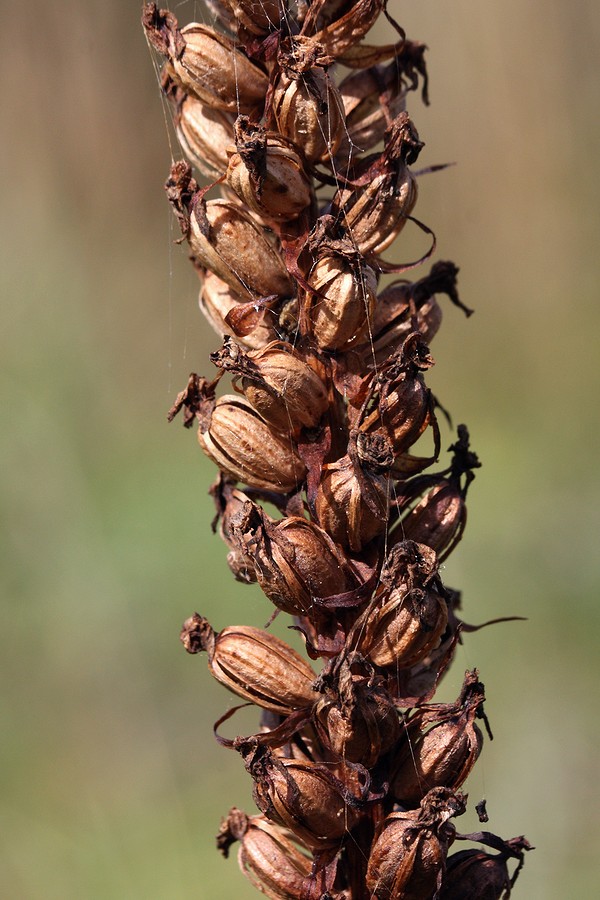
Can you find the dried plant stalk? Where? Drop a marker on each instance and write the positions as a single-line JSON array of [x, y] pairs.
[[357, 773]]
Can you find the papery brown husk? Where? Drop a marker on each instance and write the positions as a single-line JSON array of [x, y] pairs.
[[440, 746], [254, 664], [407, 860], [408, 615], [297, 562], [302, 796], [244, 446]]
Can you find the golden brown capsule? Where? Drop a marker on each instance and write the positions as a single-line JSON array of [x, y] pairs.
[[244, 446], [254, 664], [206, 63]]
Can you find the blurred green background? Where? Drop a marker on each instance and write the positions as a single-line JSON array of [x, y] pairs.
[[112, 784]]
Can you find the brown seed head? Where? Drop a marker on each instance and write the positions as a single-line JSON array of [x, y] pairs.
[[254, 664], [247, 449], [302, 796], [408, 858]]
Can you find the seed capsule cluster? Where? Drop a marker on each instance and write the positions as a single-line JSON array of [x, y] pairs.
[[356, 772]]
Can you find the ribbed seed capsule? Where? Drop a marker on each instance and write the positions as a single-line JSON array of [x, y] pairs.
[[206, 63], [309, 111], [296, 562], [204, 134], [441, 746], [407, 860], [254, 664], [302, 796], [256, 16], [399, 404], [267, 173], [356, 718], [270, 861], [346, 31], [440, 518], [216, 300], [343, 302], [477, 875], [352, 498], [409, 614], [366, 118], [375, 213], [226, 240], [279, 384], [248, 449]]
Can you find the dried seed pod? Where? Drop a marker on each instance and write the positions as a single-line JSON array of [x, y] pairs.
[[256, 16], [338, 36], [375, 212], [477, 875], [398, 404], [206, 63], [353, 494], [267, 173], [343, 302], [296, 562], [226, 240], [302, 796], [409, 613], [254, 664], [279, 384], [307, 106], [270, 861], [204, 133], [217, 299], [443, 754], [408, 858], [244, 446], [403, 307], [356, 717], [440, 518], [367, 118]]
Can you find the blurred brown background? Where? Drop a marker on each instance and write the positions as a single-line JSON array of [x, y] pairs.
[[112, 783]]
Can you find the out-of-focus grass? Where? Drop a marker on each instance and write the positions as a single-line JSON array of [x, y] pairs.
[[111, 782]]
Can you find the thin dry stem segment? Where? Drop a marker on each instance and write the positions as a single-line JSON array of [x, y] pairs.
[[356, 771]]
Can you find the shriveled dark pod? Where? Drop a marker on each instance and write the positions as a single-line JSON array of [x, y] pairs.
[[278, 382], [479, 875], [440, 746], [296, 562], [252, 663], [304, 797], [356, 716], [439, 519], [398, 403], [375, 212], [406, 306], [408, 859], [270, 861], [409, 613], [206, 63], [233, 509], [352, 498]]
